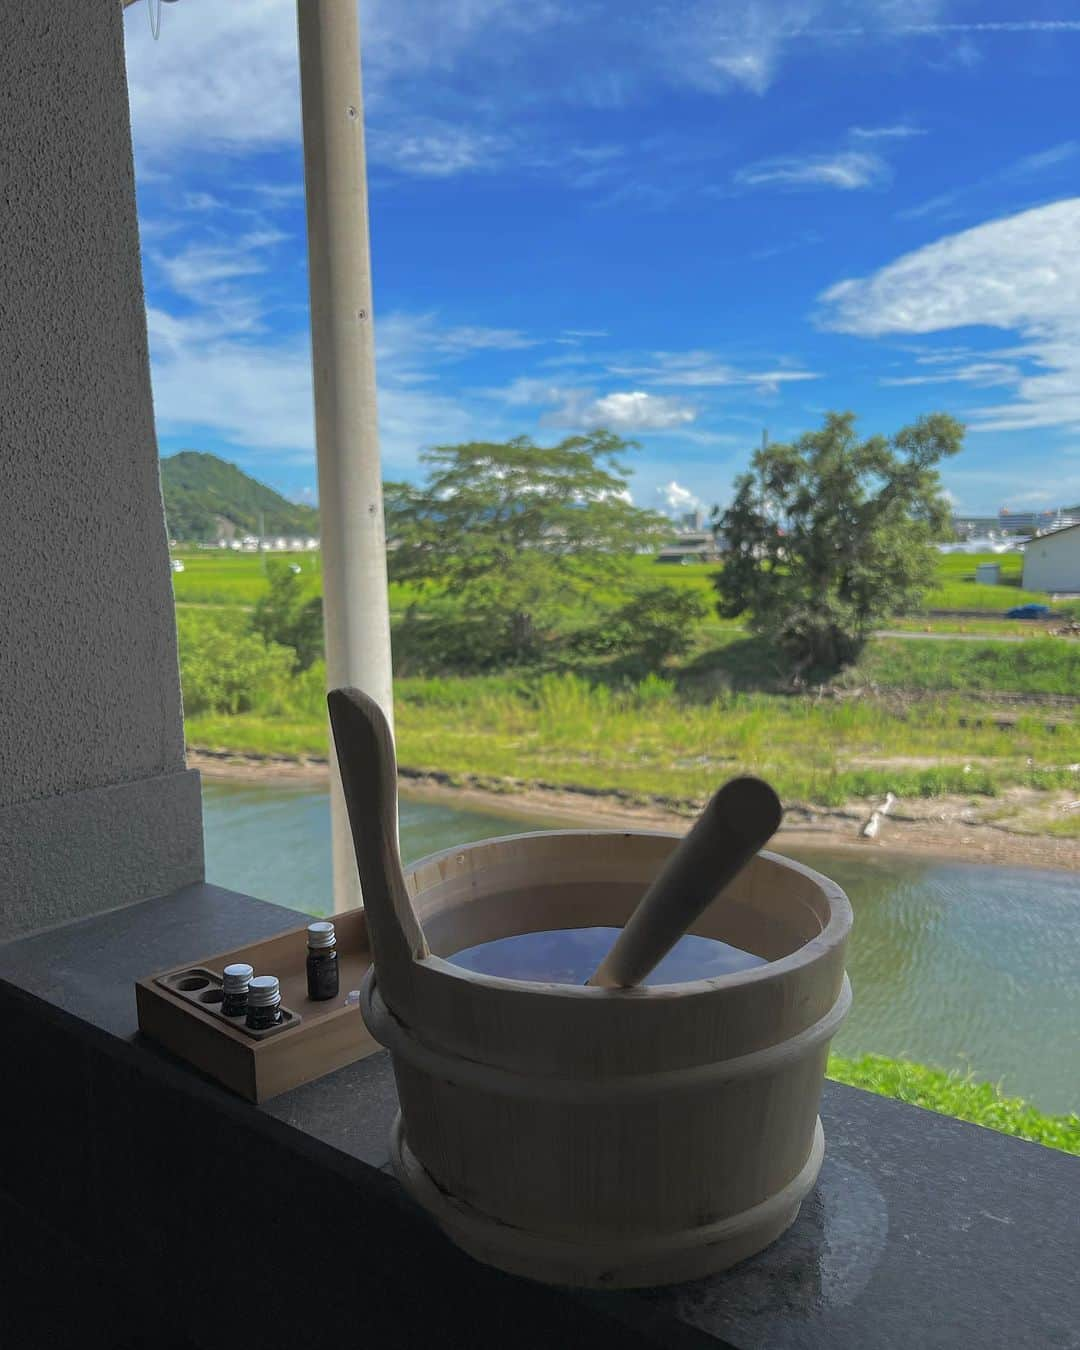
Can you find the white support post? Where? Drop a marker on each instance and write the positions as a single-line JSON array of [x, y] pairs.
[[355, 601]]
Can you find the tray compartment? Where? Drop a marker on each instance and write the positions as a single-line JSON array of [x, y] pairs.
[[181, 1010], [205, 989]]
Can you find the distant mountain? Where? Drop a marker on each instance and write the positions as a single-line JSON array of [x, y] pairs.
[[207, 498]]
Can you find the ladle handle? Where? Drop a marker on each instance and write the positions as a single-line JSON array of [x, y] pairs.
[[368, 766], [739, 820]]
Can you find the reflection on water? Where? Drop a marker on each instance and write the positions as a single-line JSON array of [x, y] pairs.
[[960, 965], [570, 955], [274, 842]]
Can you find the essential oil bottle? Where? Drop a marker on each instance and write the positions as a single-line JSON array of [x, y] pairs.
[[264, 1003], [234, 989], [322, 962]]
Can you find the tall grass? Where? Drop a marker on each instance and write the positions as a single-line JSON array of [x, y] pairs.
[[1040, 665], [670, 738], [644, 741]]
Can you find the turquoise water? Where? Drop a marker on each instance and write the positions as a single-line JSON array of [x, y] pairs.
[[961, 965]]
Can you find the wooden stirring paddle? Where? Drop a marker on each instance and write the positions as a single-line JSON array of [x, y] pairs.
[[739, 820]]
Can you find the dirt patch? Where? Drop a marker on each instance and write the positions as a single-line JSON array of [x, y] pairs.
[[258, 768], [1009, 829]]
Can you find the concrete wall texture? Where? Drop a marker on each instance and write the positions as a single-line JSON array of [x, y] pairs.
[[89, 686]]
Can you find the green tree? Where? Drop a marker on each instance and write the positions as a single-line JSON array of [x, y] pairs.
[[831, 535], [291, 615], [519, 543], [653, 626]]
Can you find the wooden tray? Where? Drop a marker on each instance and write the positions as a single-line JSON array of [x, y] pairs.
[[317, 1038]]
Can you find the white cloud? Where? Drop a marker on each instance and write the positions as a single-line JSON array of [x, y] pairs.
[[1009, 26], [1043, 159], [678, 500], [252, 394], [742, 44], [525, 391], [752, 69], [899, 131], [978, 373], [410, 335], [846, 170], [212, 373], [933, 206], [224, 76], [277, 194], [201, 201], [1007, 274], [622, 412], [198, 270], [910, 29], [433, 150], [1020, 273], [1029, 166], [702, 370]]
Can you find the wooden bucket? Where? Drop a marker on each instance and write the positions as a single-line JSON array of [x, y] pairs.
[[608, 1138]]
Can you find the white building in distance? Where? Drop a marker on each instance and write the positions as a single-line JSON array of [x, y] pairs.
[[1052, 561]]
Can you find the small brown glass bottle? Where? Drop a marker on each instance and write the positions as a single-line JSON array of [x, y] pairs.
[[322, 962], [264, 1000], [234, 989]]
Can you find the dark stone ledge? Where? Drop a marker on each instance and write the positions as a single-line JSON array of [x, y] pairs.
[[922, 1231]]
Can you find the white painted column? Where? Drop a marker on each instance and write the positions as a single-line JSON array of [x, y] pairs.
[[355, 601]]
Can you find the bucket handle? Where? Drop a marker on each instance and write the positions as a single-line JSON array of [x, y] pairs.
[[368, 767]]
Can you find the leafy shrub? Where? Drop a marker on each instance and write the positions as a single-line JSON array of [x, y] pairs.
[[226, 668], [290, 614], [652, 627]]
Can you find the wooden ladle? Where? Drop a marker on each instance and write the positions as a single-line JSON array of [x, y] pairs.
[[738, 821], [368, 766]]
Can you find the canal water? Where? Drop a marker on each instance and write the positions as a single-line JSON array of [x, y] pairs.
[[960, 965]]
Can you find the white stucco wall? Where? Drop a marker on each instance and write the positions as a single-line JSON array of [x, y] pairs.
[[89, 688], [1053, 562]]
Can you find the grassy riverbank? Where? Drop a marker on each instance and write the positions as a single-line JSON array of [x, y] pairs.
[[656, 741], [952, 1094], [922, 718]]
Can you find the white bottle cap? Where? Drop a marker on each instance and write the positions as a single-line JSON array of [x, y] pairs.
[[264, 992], [235, 979], [321, 934]]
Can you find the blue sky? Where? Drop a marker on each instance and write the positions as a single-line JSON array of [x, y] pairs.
[[685, 220]]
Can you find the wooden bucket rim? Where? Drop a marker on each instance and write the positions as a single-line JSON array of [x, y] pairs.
[[833, 935]]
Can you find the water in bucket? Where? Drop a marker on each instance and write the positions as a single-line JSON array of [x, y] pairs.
[[571, 955]]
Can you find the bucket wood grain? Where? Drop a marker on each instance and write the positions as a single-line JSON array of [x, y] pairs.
[[608, 1137]]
